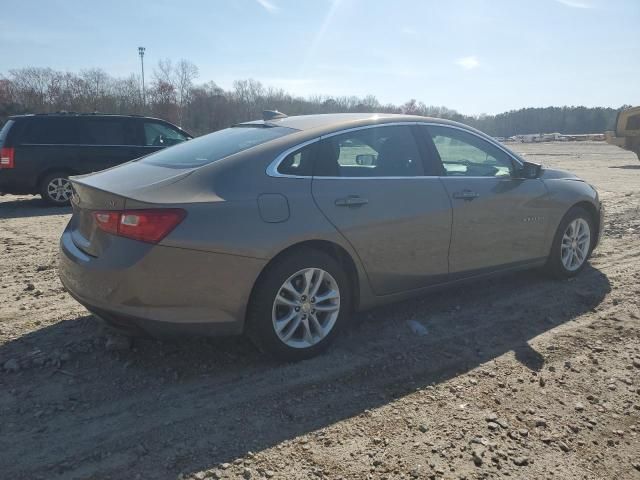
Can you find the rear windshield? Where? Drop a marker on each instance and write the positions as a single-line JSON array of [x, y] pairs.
[[5, 130], [209, 148]]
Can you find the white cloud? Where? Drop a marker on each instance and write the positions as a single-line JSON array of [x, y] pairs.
[[468, 63], [267, 5], [574, 4], [410, 32]]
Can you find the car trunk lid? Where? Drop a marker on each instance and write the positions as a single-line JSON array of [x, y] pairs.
[[133, 179], [113, 189], [85, 201]]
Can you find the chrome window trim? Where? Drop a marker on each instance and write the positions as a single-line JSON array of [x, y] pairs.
[[272, 168], [419, 177], [406, 178]]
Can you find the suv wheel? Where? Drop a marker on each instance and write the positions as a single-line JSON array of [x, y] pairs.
[[55, 189], [299, 305], [572, 244]]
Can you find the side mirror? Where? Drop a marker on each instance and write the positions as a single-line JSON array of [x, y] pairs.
[[529, 171], [365, 159]]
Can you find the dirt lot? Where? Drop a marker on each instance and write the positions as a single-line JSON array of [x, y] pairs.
[[522, 377]]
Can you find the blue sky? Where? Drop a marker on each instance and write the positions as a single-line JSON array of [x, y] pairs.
[[476, 56]]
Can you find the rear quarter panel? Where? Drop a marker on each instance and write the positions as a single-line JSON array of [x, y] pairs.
[[223, 215], [32, 162]]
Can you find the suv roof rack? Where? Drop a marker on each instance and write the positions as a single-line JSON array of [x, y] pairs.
[[66, 112]]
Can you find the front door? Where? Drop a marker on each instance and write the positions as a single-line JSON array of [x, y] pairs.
[[370, 184], [498, 220]]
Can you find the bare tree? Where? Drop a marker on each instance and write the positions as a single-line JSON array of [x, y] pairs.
[[164, 71], [180, 77], [185, 73], [174, 96], [97, 83]]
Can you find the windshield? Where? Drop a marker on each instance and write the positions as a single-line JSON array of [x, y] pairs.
[[215, 146]]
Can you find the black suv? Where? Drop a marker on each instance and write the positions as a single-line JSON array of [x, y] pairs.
[[39, 152]]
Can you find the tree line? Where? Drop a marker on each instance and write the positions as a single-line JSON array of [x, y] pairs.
[[173, 94]]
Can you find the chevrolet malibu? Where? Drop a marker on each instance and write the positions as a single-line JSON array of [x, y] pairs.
[[281, 228]]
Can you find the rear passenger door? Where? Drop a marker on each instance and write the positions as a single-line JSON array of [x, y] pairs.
[[371, 185], [107, 142], [44, 144]]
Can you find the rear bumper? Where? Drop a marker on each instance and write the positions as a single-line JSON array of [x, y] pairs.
[[14, 181], [161, 290]]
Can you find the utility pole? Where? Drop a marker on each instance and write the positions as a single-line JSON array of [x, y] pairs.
[[141, 53]]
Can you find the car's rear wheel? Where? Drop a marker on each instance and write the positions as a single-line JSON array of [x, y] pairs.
[[55, 189], [572, 244], [299, 305]]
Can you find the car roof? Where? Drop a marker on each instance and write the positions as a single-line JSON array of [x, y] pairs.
[[340, 121], [312, 127], [82, 115]]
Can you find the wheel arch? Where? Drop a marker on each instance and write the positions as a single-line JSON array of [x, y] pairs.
[[50, 170], [593, 212], [326, 246], [595, 217], [589, 207]]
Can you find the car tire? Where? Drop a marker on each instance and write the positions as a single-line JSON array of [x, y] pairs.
[[55, 189], [277, 311], [569, 253]]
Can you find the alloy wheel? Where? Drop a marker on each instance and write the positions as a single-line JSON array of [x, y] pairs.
[[59, 189], [576, 241], [306, 308]]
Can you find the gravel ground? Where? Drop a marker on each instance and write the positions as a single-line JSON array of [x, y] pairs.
[[522, 377]]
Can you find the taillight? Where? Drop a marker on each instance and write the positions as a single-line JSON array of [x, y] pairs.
[[145, 225], [7, 158], [108, 221]]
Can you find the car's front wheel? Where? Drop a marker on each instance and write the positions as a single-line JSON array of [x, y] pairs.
[[572, 244], [299, 305], [55, 189]]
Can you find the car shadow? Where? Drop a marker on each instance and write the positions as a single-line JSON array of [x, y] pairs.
[[162, 408], [626, 167], [25, 207]]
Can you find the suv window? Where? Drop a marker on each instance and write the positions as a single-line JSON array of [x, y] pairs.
[[465, 154], [157, 134], [50, 130], [108, 131], [215, 146], [5, 130], [385, 151]]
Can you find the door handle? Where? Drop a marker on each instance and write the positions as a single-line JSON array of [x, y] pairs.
[[351, 201], [467, 195]]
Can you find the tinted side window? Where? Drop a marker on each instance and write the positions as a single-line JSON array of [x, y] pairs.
[[299, 163], [108, 131], [465, 154], [51, 131], [5, 130], [160, 135], [371, 152]]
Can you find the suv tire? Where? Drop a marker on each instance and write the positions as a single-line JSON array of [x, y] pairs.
[[55, 189]]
